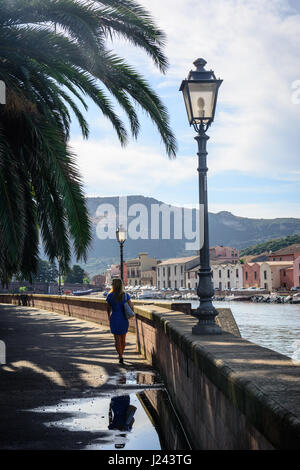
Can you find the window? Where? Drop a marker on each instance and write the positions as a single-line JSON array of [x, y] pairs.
[[265, 274], [228, 284], [169, 272], [246, 275], [220, 274], [189, 275], [181, 269], [255, 275], [175, 284], [228, 273], [164, 271], [175, 270], [181, 283], [284, 273], [164, 284], [220, 285], [237, 273], [158, 284], [158, 271], [169, 283], [189, 284]]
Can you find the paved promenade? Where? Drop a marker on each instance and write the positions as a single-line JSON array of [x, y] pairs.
[[50, 358]]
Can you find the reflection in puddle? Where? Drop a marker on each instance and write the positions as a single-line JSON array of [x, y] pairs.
[[137, 378], [108, 421], [143, 420]]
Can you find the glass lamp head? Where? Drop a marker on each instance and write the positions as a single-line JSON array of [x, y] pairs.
[[200, 92], [121, 234]]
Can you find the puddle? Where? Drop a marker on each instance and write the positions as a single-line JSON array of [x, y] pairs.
[[143, 420], [133, 378]]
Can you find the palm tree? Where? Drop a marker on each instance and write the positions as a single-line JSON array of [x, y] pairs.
[[53, 56]]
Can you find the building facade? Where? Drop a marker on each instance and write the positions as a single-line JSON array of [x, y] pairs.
[[171, 273], [270, 276], [223, 254], [251, 274], [296, 272], [289, 253], [227, 276], [141, 270], [99, 281]]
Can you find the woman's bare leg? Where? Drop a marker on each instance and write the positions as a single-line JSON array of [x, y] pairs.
[[123, 342], [118, 344]]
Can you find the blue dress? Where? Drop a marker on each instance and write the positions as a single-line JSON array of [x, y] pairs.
[[118, 322]]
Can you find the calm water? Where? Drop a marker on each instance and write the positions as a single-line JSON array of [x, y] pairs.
[[274, 326]]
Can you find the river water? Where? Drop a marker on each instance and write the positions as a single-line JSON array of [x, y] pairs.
[[274, 326]]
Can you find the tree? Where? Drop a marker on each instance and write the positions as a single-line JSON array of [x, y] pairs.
[[47, 272], [52, 57], [75, 275]]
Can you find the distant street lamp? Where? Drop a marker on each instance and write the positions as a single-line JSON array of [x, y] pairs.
[[121, 237], [200, 92], [59, 275]]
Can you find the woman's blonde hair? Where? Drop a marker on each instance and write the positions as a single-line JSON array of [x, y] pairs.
[[118, 288]]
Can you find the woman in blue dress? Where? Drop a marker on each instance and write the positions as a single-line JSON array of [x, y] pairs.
[[116, 315]]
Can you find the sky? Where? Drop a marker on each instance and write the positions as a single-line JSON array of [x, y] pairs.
[[253, 150]]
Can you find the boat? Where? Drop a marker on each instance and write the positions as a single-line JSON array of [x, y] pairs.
[[83, 292]]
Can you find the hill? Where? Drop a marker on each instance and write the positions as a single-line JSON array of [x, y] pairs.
[[272, 245], [225, 229]]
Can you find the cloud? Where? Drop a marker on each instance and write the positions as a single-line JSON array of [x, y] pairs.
[[108, 169]]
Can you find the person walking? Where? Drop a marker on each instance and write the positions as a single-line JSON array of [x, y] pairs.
[[116, 315]]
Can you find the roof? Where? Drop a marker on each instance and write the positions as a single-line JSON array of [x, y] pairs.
[[279, 263], [288, 250], [177, 260]]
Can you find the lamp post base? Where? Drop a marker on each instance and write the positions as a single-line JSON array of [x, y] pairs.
[[206, 322], [206, 329]]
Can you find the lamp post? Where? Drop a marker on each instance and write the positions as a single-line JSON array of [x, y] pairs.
[[200, 91], [59, 274], [121, 237]]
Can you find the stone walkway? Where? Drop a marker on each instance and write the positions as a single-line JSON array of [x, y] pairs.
[[50, 357]]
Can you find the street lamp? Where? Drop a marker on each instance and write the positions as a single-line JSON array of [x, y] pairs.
[[121, 237], [59, 274], [200, 92]]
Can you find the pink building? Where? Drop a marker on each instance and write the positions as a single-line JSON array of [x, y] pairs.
[[296, 279], [251, 275], [289, 253], [287, 277], [223, 254]]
